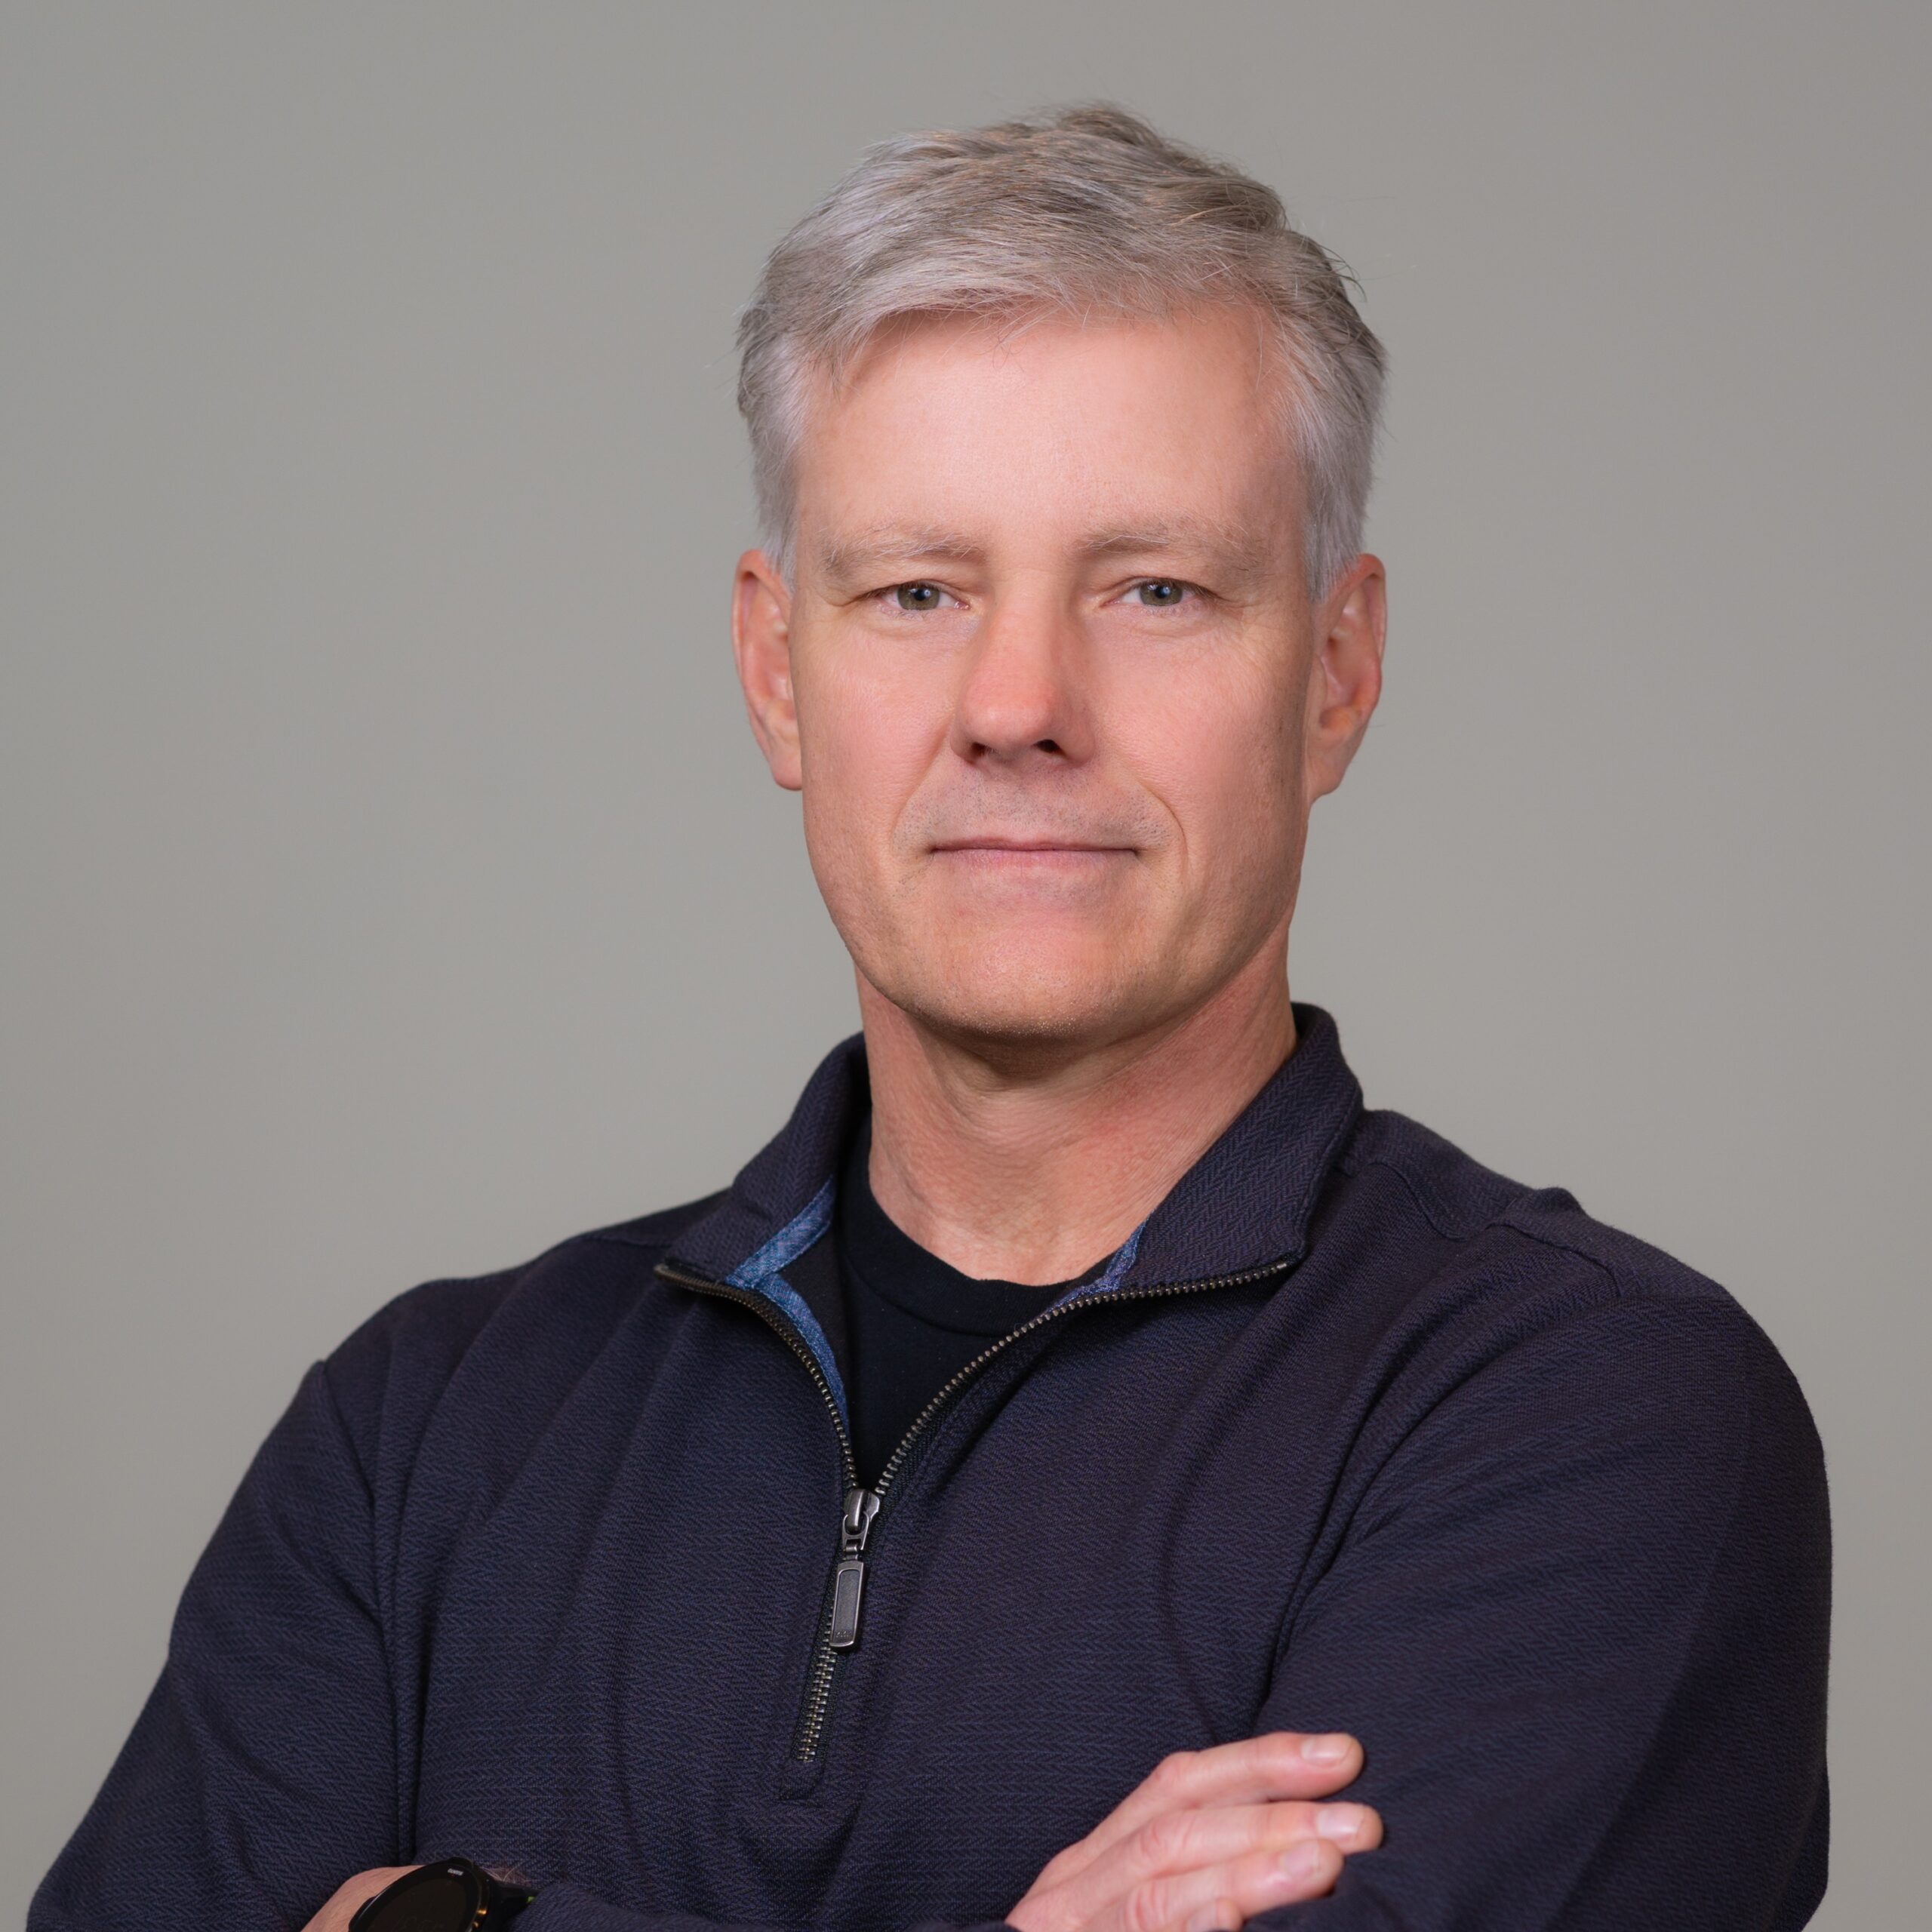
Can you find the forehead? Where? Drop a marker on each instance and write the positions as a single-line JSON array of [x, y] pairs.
[[1052, 432]]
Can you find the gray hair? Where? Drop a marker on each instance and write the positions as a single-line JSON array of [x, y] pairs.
[[1081, 210]]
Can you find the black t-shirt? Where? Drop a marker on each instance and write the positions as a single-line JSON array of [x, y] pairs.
[[912, 1322]]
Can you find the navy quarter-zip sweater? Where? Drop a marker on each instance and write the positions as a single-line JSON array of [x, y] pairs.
[[1352, 1434]]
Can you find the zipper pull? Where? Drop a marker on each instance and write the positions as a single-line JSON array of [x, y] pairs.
[[848, 1579]]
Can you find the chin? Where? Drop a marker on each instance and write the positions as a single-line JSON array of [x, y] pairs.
[[1027, 998]]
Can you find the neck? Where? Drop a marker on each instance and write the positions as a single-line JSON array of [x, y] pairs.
[[1031, 1175]]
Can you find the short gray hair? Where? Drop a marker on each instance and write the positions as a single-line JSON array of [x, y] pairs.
[[1083, 210]]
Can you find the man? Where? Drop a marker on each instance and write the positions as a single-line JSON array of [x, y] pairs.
[[1087, 1472]]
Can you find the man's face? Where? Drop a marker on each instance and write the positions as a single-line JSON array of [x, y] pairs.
[[1048, 674]]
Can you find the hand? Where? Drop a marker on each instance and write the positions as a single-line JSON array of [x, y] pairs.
[[341, 1907], [1208, 1839]]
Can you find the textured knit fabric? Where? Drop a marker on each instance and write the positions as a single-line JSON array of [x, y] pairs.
[[910, 1322], [1353, 1435]]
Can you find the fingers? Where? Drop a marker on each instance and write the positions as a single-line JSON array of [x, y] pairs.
[[1205, 1841], [1203, 1870], [1276, 1765], [1222, 1898]]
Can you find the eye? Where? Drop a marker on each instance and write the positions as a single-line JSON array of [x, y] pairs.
[[1159, 593], [916, 596]]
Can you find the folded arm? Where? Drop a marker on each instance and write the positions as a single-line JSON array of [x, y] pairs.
[[1580, 1625], [1207, 1839], [1578, 1622]]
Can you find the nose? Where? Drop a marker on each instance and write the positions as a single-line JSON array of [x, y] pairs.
[[1023, 699]]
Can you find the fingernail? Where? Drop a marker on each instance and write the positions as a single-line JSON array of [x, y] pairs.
[[1303, 1861], [1341, 1821], [1330, 1748]]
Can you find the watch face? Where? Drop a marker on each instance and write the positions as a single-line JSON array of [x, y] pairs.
[[438, 1898]]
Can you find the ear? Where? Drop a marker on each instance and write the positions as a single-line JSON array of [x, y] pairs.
[[761, 643], [1350, 627]]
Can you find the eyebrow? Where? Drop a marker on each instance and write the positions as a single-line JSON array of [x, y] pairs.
[[845, 558], [1236, 548]]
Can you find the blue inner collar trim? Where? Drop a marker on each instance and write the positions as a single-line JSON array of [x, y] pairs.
[[762, 1274]]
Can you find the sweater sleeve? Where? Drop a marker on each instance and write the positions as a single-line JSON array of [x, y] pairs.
[[262, 1770], [1578, 1623]]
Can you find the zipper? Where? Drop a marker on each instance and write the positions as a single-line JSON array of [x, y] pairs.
[[838, 1631]]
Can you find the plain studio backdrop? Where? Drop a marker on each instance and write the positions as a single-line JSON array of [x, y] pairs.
[[392, 886]]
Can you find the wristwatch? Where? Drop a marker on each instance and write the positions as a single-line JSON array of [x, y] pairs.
[[452, 1895]]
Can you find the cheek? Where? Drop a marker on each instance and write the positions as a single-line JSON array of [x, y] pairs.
[[1222, 753], [866, 742]]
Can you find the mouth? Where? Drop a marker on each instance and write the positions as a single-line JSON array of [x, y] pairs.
[[1022, 850], [1000, 842], [1030, 866]]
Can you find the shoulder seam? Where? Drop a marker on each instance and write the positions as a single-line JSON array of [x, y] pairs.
[[1431, 1210], [1507, 1219]]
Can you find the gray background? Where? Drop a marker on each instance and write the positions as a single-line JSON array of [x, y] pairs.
[[391, 886]]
